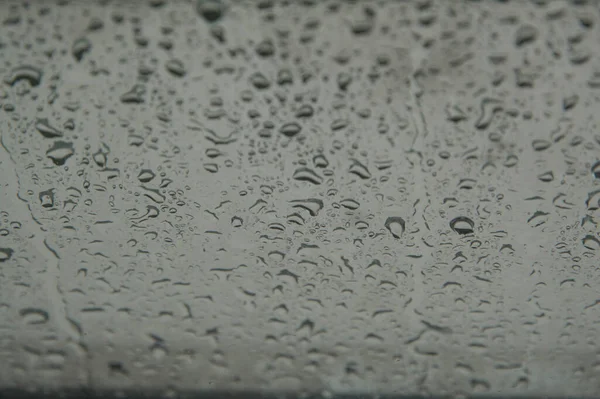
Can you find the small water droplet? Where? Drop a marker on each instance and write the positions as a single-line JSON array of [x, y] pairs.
[[212, 136], [212, 152], [344, 80], [395, 225], [210, 10], [265, 48], [34, 316], [80, 47], [591, 242], [237, 221], [25, 72], [349, 204], [43, 126], [100, 158], [47, 198], [359, 170], [339, 124], [218, 32], [546, 177], [60, 152], [570, 102], [176, 67], [5, 254], [305, 111], [525, 34], [146, 175], [259, 81], [284, 77], [307, 174], [511, 161], [135, 95], [312, 205], [540, 145], [462, 225], [596, 170], [211, 167], [290, 129], [320, 161]]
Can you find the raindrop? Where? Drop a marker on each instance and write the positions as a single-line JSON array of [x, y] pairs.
[[69, 124], [213, 137], [339, 124], [80, 47], [265, 48], [146, 175], [211, 167], [467, 184], [362, 27], [395, 225], [487, 109], [135, 95], [25, 72], [462, 225], [165, 182], [320, 161], [570, 102], [237, 221], [546, 177], [95, 24], [524, 78], [175, 67], [525, 34], [60, 152], [218, 32], [510, 161], [538, 218], [361, 225], [305, 111], [34, 316], [343, 80], [383, 164], [210, 10], [454, 113], [365, 25], [312, 205], [47, 198], [213, 152], [359, 170], [43, 126], [5, 254], [100, 158], [117, 368], [265, 133], [307, 174], [596, 170], [284, 77], [290, 129], [349, 204], [591, 242], [259, 81], [540, 145]]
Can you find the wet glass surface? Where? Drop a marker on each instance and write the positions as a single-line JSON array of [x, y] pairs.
[[336, 197]]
